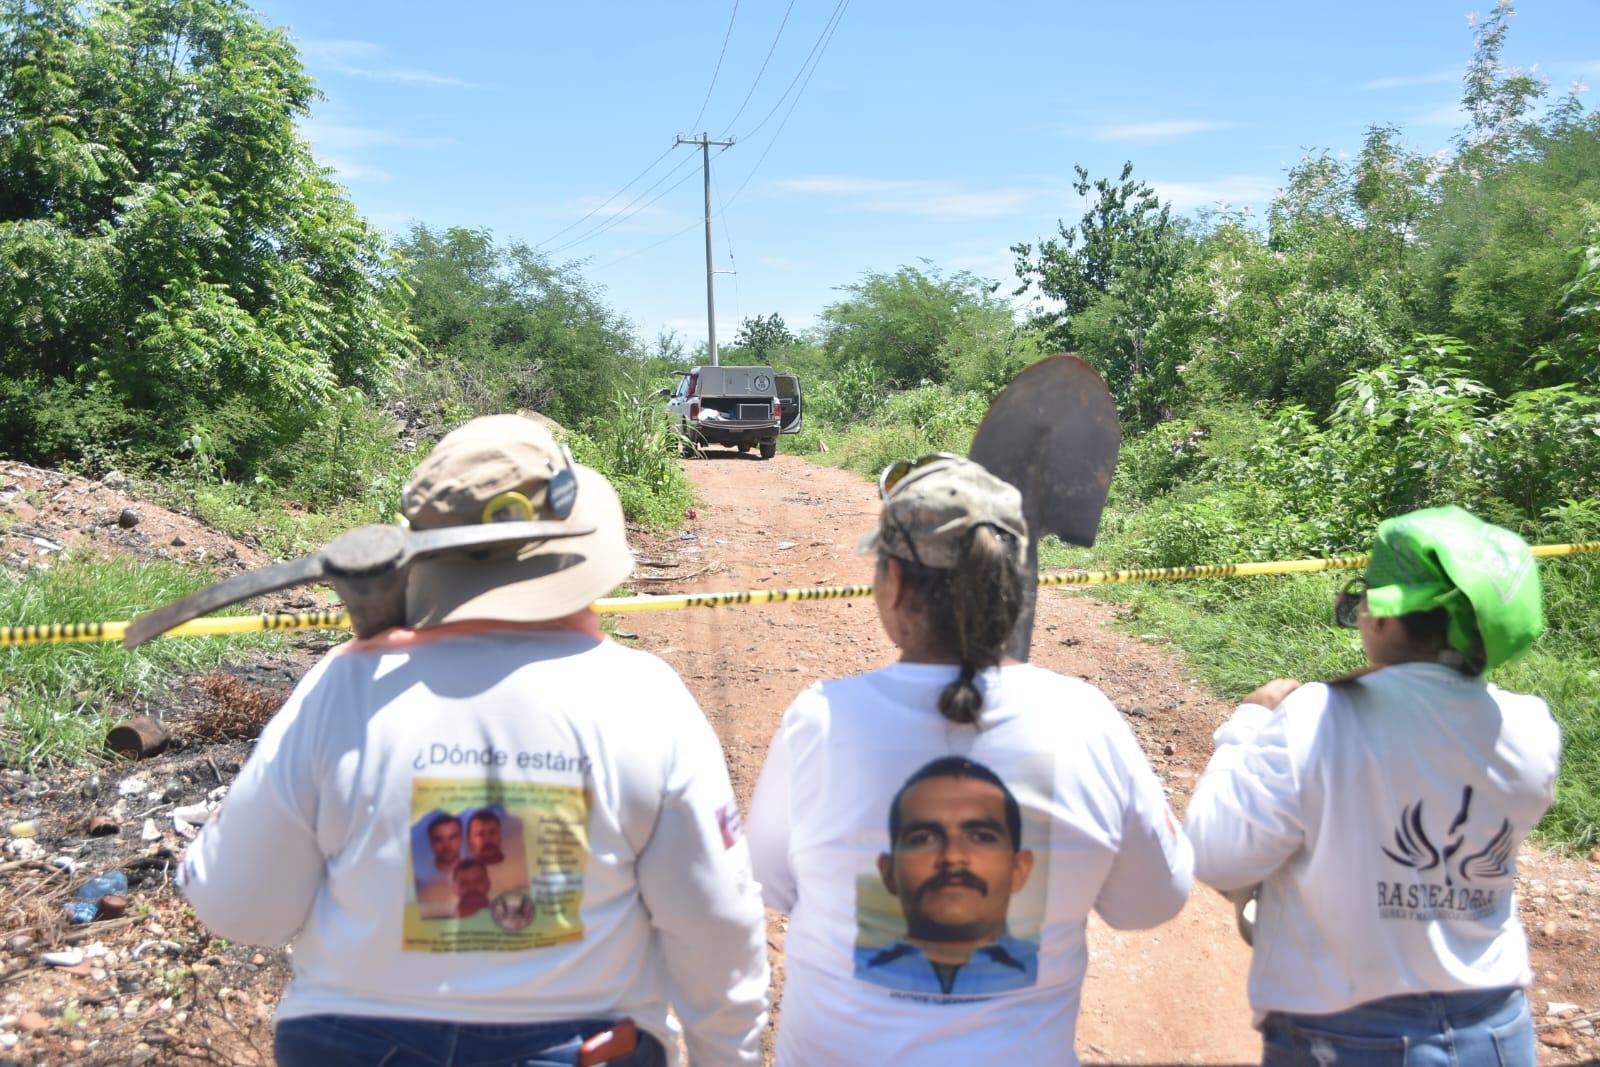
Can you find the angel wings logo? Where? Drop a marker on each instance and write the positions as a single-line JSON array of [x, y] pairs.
[[1454, 871]]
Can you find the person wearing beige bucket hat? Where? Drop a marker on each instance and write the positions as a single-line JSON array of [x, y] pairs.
[[497, 837], [507, 466], [1015, 801]]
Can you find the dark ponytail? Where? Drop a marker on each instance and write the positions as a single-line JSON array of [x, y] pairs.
[[969, 612]]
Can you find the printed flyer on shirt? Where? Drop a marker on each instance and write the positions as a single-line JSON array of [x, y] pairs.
[[955, 898], [495, 865]]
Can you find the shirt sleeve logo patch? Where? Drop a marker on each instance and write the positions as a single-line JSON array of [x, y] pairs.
[[731, 823]]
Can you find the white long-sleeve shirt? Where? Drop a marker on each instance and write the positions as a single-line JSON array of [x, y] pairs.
[[618, 883], [1094, 821], [1382, 818]]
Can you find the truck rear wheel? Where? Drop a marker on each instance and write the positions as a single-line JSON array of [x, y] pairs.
[[769, 448]]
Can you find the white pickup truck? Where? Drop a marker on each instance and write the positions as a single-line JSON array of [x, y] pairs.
[[734, 406]]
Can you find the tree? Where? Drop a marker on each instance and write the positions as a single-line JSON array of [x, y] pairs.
[[1497, 98], [1105, 281], [900, 321], [763, 337], [169, 248], [504, 330]]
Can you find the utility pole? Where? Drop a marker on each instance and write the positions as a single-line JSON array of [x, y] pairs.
[[705, 142]]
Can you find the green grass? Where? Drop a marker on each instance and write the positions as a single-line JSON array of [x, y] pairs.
[[57, 702], [283, 528]]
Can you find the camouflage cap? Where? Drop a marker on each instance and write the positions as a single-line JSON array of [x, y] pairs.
[[929, 514], [1484, 577]]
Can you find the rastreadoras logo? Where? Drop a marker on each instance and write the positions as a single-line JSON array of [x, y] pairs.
[[1451, 860]]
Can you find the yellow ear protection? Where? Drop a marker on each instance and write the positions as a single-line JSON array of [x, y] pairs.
[[561, 493], [508, 507]]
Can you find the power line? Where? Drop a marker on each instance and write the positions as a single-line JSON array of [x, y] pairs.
[[827, 32], [718, 69], [624, 213], [608, 199], [733, 265], [824, 40], [695, 225], [776, 38]]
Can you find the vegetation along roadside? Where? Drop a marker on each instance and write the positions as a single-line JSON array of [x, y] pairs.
[[188, 298]]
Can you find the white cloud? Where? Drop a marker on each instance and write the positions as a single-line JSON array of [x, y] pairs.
[[1160, 130], [583, 205], [392, 221], [364, 59], [934, 198], [694, 330], [1235, 190], [351, 171], [338, 137], [1444, 115], [1403, 80], [992, 265]]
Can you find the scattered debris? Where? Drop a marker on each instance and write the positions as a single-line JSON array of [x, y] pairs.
[[194, 813]]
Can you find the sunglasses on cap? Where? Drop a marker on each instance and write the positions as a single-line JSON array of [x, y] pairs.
[[896, 472], [1347, 603]]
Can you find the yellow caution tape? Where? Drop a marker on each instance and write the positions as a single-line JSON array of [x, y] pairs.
[[214, 626], [50, 633]]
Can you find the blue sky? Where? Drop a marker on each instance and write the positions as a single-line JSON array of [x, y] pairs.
[[937, 130]]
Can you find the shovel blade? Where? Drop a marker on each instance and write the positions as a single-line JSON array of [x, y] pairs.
[[1053, 433]]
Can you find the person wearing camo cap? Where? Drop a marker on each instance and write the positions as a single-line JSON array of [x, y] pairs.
[[1015, 801], [1381, 813]]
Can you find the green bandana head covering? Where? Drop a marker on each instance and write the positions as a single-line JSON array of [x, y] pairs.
[[1485, 579]]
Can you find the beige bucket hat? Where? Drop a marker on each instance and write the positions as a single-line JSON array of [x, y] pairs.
[[480, 463]]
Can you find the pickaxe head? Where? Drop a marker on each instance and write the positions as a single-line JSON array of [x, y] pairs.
[[479, 507], [368, 567]]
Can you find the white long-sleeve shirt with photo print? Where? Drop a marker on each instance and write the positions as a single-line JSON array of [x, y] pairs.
[[1382, 818], [1009, 834], [482, 824]]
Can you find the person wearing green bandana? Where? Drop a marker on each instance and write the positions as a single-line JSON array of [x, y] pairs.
[[1378, 817]]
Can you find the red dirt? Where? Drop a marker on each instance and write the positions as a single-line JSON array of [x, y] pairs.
[[1171, 995]]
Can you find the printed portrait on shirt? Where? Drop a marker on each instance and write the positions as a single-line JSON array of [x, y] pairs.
[[463, 860], [955, 900], [495, 865]]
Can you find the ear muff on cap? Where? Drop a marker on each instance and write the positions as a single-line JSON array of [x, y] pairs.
[[1484, 577]]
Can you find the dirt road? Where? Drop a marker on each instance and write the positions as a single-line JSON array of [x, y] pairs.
[[1171, 995]]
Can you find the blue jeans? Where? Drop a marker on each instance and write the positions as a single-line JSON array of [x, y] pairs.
[[1483, 1027], [359, 1041]]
